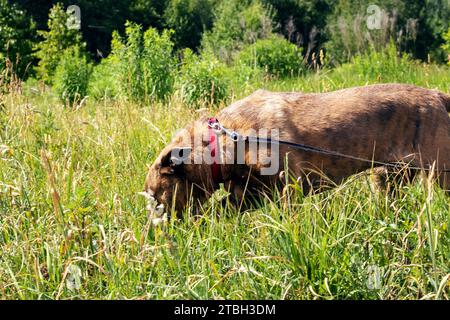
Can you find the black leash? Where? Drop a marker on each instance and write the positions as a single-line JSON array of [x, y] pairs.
[[235, 136]]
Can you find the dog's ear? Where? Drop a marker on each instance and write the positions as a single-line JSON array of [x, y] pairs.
[[173, 161]]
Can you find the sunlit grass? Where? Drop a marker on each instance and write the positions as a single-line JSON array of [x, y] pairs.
[[68, 197]]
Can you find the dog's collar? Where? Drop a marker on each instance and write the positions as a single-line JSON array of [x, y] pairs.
[[214, 149]]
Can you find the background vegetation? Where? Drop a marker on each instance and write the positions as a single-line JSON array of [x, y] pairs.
[[83, 112]]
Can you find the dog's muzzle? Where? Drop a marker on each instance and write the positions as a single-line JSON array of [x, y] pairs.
[[156, 212]]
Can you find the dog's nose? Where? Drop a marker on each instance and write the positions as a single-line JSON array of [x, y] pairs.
[[149, 196], [159, 209], [155, 209]]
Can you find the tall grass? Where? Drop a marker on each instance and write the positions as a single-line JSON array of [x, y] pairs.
[[73, 226]]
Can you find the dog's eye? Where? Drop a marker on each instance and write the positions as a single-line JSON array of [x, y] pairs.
[[166, 170]]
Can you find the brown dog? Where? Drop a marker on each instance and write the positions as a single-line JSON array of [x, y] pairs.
[[387, 123]]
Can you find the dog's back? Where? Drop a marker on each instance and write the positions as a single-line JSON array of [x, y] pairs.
[[385, 122]]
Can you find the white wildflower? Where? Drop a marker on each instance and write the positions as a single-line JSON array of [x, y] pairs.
[[155, 212], [73, 279]]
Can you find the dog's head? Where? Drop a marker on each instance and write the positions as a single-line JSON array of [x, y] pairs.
[[166, 180], [174, 177]]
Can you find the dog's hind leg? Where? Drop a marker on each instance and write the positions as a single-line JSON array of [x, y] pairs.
[[387, 180], [444, 176], [444, 181]]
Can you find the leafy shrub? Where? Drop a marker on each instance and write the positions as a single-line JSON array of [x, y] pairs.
[[158, 64], [446, 45], [72, 76], [376, 65], [127, 55], [414, 25], [275, 55], [242, 76], [189, 19], [238, 22], [144, 62], [104, 83], [203, 80], [301, 21], [108, 78], [56, 40]]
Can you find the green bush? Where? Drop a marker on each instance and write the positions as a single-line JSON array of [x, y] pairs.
[[104, 83], [17, 34], [145, 64], [237, 23], [203, 80], [446, 45], [275, 55], [243, 76], [189, 19], [415, 26], [302, 21], [158, 64], [126, 56], [72, 76], [56, 40], [108, 79], [387, 63]]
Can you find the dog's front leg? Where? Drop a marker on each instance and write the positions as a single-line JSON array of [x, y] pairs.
[[241, 197], [232, 199]]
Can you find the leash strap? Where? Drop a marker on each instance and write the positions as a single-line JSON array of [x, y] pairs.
[[214, 149], [214, 125]]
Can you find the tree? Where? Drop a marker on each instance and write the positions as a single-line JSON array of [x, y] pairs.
[[302, 21], [237, 23], [446, 45], [17, 34], [57, 39], [416, 26], [98, 24], [189, 19], [100, 18]]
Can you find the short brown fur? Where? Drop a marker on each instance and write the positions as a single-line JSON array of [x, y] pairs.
[[385, 122]]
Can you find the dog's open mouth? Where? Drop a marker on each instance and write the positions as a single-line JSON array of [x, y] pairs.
[[156, 212]]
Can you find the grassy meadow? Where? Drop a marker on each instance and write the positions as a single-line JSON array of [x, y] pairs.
[[72, 225]]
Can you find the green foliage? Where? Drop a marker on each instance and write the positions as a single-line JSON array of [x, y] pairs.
[[275, 55], [189, 19], [130, 57], [57, 39], [72, 76], [302, 21], [158, 64], [348, 34], [83, 210], [385, 63], [17, 35], [203, 80], [340, 26], [104, 82], [145, 64], [244, 77], [101, 17], [237, 23], [446, 45], [433, 18], [415, 26]]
